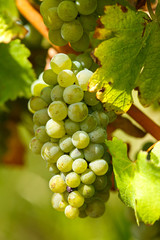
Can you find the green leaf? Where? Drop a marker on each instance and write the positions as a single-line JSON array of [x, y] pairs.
[[132, 44], [16, 73], [139, 181]]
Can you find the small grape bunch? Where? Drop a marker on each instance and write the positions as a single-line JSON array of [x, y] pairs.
[[70, 21], [70, 130]]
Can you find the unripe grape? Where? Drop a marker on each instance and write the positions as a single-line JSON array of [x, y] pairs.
[[80, 139], [55, 129], [77, 112], [57, 184]]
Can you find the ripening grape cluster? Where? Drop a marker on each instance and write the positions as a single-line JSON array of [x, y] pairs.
[[70, 130], [71, 21]]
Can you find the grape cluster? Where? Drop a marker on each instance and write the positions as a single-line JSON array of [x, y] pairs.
[[70, 130], [70, 21]]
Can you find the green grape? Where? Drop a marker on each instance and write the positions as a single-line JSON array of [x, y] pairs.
[[54, 140], [102, 118], [51, 152], [82, 214], [76, 66], [87, 191], [64, 163], [88, 177], [60, 62], [32, 38], [57, 93], [82, 44], [85, 59], [58, 202], [83, 78], [71, 127], [72, 31], [72, 56], [66, 78], [95, 209], [66, 144], [80, 139], [103, 195], [46, 4], [50, 77], [79, 165], [98, 107], [52, 167], [63, 175], [98, 135], [112, 116], [90, 98], [75, 199], [73, 94], [107, 157], [77, 112], [76, 153], [100, 182], [89, 22], [56, 38], [40, 134], [46, 94], [89, 124], [37, 86], [55, 129], [57, 184], [52, 20], [71, 212], [86, 7], [36, 103], [35, 126], [41, 117], [93, 151], [99, 166], [35, 145], [57, 110], [94, 67], [67, 11], [73, 180]]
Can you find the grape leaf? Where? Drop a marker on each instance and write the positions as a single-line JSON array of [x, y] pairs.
[[138, 182], [16, 74], [130, 44]]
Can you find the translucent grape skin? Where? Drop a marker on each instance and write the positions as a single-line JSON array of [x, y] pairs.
[[88, 177], [64, 163], [98, 135], [85, 59], [72, 31], [66, 144], [41, 117], [58, 110], [73, 94], [100, 182], [95, 208], [71, 212], [57, 184], [46, 4], [89, 22], [75, 199], [89, 124], [79, 165], [52, 20], [83, 78], [46, 94], [90, 98], [66, 78], [51, 152], [40, 133], [49, 77], [67, 11], [93, 151], [99, 166], [86, 7], [60, 62], [36, 103], [87, 191], [56, 38], [58, 202], [57, 93], [35, 145], [73, 180], [76, 153], [77, 112], [55, 129], [71, 127], [80, 139], [82, 44]]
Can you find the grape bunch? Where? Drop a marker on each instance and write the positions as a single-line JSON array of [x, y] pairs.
[[70, 21], [70, 130]]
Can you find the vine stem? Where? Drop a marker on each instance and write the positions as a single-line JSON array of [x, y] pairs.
[[150, 10], [34, 17]]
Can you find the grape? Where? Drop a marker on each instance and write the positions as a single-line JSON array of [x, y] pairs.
[[58, 202], [52, 20], [90, 98], [32, 38], [89, 22], [55, 129], [35, 145], [71, 212], [57, 93], [52, 167], [98, 107], [72, 31], [99, 166], [73, 94], [66, 144], [82, 214], [50, 77], [98, 135], [40, 134], [79, 165], [46, 4], [77, 112], [112, 116], [88, 177], [57, 184], [89, 124], [54, 140], [82, 44], [66, 78], [86, 7], [57, 110], [80, 139], [60, 62], [71, 127], [64, 163], [73, 180], [37, 86], [102, 118], [51, 152], [41, 117], [94, 67], [67, 11], [36, 103], [107, 157], [95, 208], [100, 182], [85, 59], [56, 38], [46, 94], [87, 191], [93, 152], [83, 78], [76, 67], [103, 195], [76, 153], [75, 199]]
